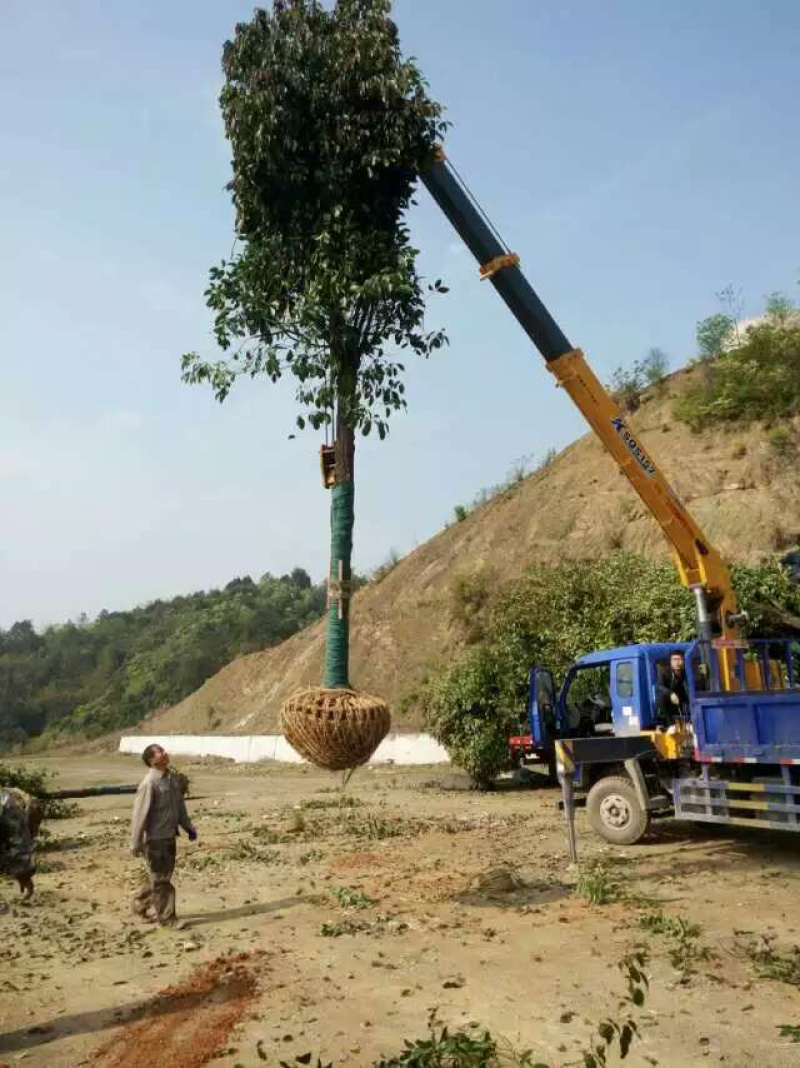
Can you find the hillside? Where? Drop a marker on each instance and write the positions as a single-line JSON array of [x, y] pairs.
[[94, 676], [744, 494]]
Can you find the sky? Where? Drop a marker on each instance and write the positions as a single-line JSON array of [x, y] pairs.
[[638, 156]]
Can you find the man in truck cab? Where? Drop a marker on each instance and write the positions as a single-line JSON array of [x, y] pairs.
[[671, 692]]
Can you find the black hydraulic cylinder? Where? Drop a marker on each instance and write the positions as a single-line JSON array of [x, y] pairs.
[[510, 283]]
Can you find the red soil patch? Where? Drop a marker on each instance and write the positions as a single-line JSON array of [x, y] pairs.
[[184, 1026]]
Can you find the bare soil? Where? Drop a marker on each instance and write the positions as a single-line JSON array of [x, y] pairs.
[[340, 933]]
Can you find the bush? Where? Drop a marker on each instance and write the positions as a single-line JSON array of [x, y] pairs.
[[626, 387], [388, 565], [465, 712], [714, 335], [627, 384], [757, 379], [783, 443], [30, 780], [34, 782], [470, 595]]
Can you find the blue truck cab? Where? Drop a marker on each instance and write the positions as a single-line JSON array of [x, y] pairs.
[[629, 674], [612, 692], [731, 754]]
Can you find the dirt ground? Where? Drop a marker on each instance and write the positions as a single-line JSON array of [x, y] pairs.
[[341, 931]]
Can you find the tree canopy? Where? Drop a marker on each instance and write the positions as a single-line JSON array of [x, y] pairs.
[[329, 127]]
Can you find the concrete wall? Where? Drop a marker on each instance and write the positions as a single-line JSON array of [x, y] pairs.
[[246, 748]]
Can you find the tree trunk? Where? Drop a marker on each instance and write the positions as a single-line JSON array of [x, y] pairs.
[[337, 638]]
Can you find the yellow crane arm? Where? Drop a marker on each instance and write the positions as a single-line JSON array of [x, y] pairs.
[[700, 566]]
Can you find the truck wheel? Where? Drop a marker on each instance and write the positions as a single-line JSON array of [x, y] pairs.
[[615, 812]]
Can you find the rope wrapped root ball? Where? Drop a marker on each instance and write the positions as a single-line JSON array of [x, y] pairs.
[[335, 729]]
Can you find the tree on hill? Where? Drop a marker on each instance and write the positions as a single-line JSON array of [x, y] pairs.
[[329, 127]]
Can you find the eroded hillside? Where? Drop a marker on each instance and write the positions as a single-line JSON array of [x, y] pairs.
[[745, 497]]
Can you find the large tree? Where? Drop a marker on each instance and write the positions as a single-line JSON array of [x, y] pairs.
[[329, 127]]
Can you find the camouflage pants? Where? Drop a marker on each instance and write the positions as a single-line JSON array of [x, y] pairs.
[[159, 891]]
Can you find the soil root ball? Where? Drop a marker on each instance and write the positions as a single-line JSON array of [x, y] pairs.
[[335, 729]]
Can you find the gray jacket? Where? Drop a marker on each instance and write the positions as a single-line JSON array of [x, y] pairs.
[[159, 809]]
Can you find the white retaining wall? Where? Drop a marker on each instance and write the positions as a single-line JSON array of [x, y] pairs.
[[246, 748]]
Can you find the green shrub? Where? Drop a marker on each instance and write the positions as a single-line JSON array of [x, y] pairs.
[[627, 383], [783, 443], [714, 334], [626, 387], [597, 884], [756, 379], [469, 598], [465, 711], [34, 782], [388, 565]]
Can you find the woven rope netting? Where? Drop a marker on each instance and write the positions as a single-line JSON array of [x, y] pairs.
[[335, 729]]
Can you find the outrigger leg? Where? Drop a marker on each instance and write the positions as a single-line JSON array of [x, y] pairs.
[[565, 766]]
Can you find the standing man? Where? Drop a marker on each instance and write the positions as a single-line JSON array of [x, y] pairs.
[[16, 842], [673, 697], [158, 811]]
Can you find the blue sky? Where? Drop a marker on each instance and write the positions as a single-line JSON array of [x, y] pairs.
[[639, 157]]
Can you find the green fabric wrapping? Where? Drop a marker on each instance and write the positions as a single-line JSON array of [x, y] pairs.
[[337, 645]]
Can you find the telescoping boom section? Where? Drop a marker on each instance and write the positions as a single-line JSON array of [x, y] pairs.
[[700, 566]]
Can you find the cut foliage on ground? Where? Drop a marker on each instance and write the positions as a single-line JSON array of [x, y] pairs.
[[421, 945]]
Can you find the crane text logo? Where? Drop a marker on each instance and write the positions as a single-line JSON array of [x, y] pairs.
[[632, 445]]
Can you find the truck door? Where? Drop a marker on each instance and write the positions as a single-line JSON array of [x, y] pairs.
[[542, 706], [625, 697]]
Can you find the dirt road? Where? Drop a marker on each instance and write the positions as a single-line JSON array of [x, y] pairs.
[[340, 930]]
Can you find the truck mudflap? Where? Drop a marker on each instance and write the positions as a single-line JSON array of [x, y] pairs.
[[773, 804]]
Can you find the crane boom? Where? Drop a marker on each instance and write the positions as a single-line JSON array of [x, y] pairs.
[[700, 566]]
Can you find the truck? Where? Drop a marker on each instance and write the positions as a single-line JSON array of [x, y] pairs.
[[729, 753]]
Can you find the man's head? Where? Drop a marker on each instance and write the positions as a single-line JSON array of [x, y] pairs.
[[156, 757], [676, 662]]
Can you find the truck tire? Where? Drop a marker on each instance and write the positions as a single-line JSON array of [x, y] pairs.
[[615, 811]]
